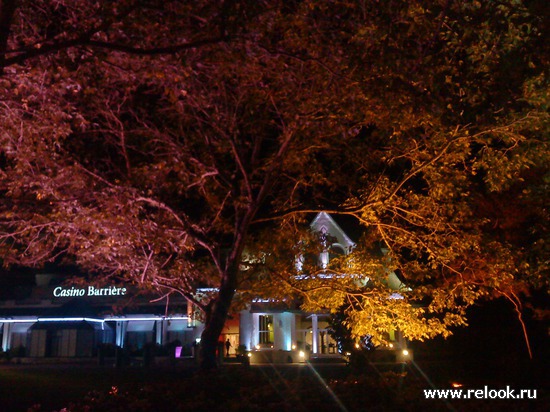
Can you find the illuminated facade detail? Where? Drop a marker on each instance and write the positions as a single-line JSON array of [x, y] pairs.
[[265, 326]]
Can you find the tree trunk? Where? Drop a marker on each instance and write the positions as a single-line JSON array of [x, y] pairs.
[[215, 321]]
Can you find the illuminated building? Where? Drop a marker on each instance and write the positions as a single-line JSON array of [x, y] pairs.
[[47, 319]]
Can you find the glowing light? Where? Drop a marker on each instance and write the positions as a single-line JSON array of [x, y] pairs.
[[391, 345], [249, 354], [129, 319], [456, 385], [293, 347], [302, 354], [69, 320], [106, 319], [257, 347], [356, 346], [396, 295], [94, 320], [207, 290], [405, 352]]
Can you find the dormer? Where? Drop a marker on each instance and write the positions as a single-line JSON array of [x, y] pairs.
[[332, 233], [333, 239]]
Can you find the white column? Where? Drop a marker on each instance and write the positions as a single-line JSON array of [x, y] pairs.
[[120, 333], [160, 329], [245, 329], [288, 334], [6, 336], [278, 332], [293, 337], [315, 331], [255, 335]]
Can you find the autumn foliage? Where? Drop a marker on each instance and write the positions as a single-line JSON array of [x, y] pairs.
[[154, 142]]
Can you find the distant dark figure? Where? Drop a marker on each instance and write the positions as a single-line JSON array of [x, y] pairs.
[[227, 346]]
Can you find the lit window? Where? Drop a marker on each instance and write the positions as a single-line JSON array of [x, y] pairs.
[[266, 329]]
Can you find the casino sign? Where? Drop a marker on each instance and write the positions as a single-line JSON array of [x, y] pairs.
[[61, 292]]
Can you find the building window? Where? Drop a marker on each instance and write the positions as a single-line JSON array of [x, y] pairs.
[[266, 329]]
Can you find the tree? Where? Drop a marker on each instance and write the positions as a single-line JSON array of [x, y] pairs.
[[157, 152], [465, 135]]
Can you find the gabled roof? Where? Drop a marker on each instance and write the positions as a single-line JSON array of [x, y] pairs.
[[324, 223]]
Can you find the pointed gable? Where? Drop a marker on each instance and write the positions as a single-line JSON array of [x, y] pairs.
[[324, 223]]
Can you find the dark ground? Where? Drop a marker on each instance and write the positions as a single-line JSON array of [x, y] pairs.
[[54, 387]]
